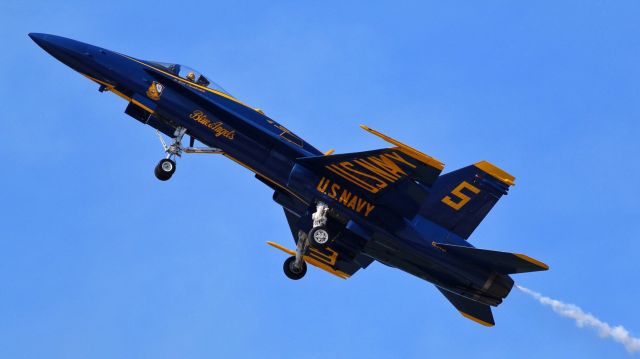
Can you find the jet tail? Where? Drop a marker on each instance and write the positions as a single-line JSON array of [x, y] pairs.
[[460, 200], [501, 262], [478, 312]]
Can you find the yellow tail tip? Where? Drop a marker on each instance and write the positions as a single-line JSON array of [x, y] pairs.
[[496, 172]]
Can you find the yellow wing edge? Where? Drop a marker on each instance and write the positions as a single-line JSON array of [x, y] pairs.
[[496, 172], [426, 159], [532, 261], [314, 262], [479, 321]]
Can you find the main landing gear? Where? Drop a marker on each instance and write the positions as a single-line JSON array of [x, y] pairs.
[[319, 234], [295, 267], [167, 166]]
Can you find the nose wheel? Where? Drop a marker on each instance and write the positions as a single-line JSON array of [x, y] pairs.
[[165, 169]]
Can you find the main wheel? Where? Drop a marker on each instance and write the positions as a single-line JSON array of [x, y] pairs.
[[319, 237], [291, 271], [165, 169]]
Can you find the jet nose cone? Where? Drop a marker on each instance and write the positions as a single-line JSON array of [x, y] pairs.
[[49, 43], [40, 39], [35, 36], [74, 54]]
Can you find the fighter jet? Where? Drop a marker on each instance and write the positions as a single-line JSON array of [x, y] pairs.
[[392, 205]]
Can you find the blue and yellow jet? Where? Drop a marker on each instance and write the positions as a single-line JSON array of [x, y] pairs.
[[344, 210]]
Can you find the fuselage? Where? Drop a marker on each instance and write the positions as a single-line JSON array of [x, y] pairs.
[[252, 139]]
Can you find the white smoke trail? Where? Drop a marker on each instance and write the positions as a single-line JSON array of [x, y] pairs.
[[617, 333]]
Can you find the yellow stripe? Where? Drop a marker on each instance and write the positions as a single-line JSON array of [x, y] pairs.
[[496, 172], [407, 149], [479, 321], [329, 152], [141, 105], [325, 267], [532, 261], [311, 261], [98, 81], [282, 248], [112, 89]]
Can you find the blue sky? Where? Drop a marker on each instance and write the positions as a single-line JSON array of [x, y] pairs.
[[98, 259]]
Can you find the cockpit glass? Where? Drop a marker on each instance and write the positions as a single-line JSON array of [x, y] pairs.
[[188, 74]]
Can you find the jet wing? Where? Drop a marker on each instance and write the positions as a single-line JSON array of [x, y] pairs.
[[388, 177], [396, 178], [379, 170], [375, 171]]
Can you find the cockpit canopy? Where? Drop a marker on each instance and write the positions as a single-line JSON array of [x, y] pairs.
[[185, 72]]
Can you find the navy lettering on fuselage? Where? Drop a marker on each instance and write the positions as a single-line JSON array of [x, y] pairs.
[[345, 197]]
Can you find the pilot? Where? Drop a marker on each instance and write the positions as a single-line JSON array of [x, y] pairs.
[[191, 76]]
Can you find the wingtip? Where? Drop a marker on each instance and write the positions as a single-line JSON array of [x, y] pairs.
[[426, 159], [533, 261], [479, 321]]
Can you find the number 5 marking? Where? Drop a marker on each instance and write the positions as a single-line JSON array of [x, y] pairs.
[[463, 198]]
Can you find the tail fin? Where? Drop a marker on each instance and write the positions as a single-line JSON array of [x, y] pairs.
[[501, 262], [478, 312], [460, 200]]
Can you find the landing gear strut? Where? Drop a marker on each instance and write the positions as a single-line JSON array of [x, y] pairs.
[[167, 166], [295, 266]]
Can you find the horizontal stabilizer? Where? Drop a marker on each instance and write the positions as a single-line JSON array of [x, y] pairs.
[[501, 262], [478, 312]]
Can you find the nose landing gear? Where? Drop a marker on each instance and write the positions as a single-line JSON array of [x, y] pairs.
[[167, 166]]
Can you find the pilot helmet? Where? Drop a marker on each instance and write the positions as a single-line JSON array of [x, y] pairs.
[[191, 76]]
